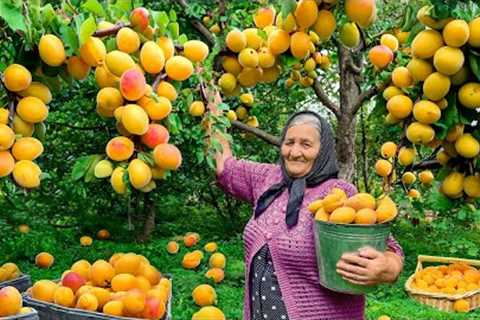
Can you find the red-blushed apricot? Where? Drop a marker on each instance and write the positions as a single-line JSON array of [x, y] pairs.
[[7, 163], [155, 135], [380, 56], [139, 18], [133, 84], [120, 148]]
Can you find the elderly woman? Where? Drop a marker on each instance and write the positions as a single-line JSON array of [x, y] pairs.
[[282, 280]]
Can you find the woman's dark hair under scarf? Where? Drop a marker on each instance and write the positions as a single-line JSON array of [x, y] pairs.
[[325, 167]]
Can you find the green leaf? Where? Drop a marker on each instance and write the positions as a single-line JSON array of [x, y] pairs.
[[174, 123], [409, 18], [87, 28], [182, 39], [44, 176], [13, 16], [210, 163], [40, 131], [450, 117], [172, 15], [80, 167], [474, 62], [48, 14], [223, 107], [467, 115], [200, 156], [90, 174], [380, 108], [414, 31], [110, 44], [287, 7], [472, 251], [161, 18], [125, 5], [441, 9], [174, 30], [262, 34], [147, 158], [288, 61], [439, 202], [69, 38], [94, 7]]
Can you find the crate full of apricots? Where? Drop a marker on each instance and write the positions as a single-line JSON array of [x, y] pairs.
[[346, 224], [11, 306], [125, 287], [448, 284], [11, 276]]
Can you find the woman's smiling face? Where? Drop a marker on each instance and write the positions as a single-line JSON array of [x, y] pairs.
[[300, 149]]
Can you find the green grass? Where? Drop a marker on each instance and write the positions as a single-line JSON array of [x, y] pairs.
[[63, 244]]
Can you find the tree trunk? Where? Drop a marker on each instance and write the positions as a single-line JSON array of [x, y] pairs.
[[345, 139], [346, 147], [149, 224], [364, 151]]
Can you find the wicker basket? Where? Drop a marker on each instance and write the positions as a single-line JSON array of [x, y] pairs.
[[442, 301], [50, 311], [22, 283], [29, 316]]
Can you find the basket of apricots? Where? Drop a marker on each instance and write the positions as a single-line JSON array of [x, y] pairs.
[[448, 284], [11, 305], [126, 286], [10, 275], [346, 224]]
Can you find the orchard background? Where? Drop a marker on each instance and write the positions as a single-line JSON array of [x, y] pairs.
[[342, 85]]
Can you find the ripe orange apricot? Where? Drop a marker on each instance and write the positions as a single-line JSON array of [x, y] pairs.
[[167, 156]]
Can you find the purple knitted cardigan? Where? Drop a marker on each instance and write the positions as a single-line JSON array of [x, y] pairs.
[[292, 250]]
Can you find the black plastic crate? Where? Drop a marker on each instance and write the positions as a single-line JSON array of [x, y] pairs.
[[50, 311], [22, 283], [29, 316]]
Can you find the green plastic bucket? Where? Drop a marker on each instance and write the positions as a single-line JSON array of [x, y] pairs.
[[333, 240]]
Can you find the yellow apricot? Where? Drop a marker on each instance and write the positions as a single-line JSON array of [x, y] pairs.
[[51, 50]]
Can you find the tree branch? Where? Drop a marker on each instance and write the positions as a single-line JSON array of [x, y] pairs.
[[363, 41], [110, 31], [257, 132], [11, 102], [199, 25], [221, 11], [324, 99], [161, 76], [353, 67], [366, 95], [427, 164]]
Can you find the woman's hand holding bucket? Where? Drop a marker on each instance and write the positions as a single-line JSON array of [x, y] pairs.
[[369, 267]]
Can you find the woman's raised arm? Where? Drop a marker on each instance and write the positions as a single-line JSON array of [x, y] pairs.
[[226, 151], [221, 156]]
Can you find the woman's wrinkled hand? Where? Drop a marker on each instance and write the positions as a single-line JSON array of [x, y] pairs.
[[368, 266]]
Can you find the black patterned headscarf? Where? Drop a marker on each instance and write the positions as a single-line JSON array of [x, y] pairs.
[[325, 167]]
